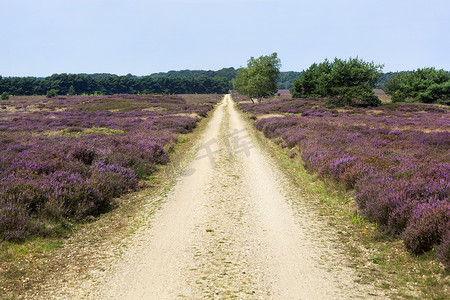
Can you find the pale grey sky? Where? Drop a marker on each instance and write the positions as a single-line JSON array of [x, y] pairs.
[[42, 37]]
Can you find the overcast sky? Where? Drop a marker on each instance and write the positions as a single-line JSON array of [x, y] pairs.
[[42, 37]]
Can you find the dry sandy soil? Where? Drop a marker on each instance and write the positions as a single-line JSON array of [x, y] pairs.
[[231, 227], [385, 98]]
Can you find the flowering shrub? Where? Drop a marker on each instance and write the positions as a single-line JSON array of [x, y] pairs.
[[396, 158], [444, 248], [428, 224], [16, 223], [67, 158]]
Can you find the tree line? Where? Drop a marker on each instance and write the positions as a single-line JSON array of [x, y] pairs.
[[285, 80], [76, 84], [172, 82], [348, 82]]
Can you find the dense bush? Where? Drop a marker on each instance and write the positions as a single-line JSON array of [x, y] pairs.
[[52, 93], [70, 158], [429, 222], [426, 85], [346, 82], [396, 158], [444, 248]]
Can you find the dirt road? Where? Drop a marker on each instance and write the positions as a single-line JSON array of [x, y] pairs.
[[228, 229]]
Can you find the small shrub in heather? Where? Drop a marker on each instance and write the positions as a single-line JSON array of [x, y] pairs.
[[83, 154], [443, 249], [395, 157], [4, 96], [111, 181], [427, 226], [16, 224], [71, 158], [274, 126]]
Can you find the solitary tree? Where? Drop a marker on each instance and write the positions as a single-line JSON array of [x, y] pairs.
[[259, 79]]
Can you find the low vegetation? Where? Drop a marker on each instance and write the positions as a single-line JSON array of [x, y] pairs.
[[64, 159], [395, 158]]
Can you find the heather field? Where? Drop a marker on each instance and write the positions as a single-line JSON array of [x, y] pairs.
[[394, 157], [63, 160]]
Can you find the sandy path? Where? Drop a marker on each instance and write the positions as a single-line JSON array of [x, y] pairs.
[[227, 230]]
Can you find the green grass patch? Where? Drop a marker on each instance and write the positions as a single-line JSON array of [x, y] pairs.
[[76, 131], [11, 251]]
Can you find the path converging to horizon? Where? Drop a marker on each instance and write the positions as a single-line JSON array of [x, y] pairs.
[[228, 229]]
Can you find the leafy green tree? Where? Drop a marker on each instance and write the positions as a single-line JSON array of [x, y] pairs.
[[426, 85], [259, 79], [345, 82]]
